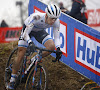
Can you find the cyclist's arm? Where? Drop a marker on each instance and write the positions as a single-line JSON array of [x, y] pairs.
[[29, 22], [56, 37], [56, 33], [57, 43]]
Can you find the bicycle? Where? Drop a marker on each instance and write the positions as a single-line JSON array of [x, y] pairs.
[[39, 80]]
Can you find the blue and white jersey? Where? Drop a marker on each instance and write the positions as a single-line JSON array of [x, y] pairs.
[[36, 22]]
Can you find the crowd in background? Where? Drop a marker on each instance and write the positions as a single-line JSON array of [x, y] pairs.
[[78, 10]]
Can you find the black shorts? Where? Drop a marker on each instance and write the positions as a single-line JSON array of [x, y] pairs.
[[39, 36]]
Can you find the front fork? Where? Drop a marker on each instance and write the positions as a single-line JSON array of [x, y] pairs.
[[35, 70], [38, 59]]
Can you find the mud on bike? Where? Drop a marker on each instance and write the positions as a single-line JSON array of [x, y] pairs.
[[32, 76]]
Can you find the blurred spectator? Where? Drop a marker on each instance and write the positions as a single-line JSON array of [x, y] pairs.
[[4, 24], [78, 11], [61, 6]]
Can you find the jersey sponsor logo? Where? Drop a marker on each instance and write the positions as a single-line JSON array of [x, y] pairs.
[[63, 33], [30, 25], [87, 51]]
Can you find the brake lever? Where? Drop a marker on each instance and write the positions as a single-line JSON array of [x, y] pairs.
[[56, 58]]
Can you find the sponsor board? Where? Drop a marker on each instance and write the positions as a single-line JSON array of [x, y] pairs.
[[9, 34], [93, 17], [87, 51], [81, 46], [12, 35]]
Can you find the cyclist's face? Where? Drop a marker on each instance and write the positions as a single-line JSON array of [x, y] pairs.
[[50, 21]]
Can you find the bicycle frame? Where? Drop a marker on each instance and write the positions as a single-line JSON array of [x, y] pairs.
[[34, 62], [36, 58], [24, 72]]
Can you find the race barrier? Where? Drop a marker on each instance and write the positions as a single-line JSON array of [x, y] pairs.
[[8, 34], [80, 44]]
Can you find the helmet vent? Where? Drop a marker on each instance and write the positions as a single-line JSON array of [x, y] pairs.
[[48, 10], [56, 9], [52, 10]]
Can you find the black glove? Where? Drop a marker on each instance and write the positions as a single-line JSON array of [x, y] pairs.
[[32, 47], [59, 53]]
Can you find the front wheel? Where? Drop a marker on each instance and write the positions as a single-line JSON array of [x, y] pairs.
[[39, 81]]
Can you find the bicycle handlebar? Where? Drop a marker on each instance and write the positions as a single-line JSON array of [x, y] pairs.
[[43, 49]]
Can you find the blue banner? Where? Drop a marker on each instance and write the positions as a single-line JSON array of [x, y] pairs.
[[80, 44]]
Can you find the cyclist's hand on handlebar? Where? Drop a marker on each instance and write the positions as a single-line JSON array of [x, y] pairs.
[[59, 53]]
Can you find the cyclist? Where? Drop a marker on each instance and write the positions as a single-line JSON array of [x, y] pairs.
[[34, 26]]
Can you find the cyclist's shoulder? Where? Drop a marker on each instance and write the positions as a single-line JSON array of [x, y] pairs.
[[37, 15], [34, 17]]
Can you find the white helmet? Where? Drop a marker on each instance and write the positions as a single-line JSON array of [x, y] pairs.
[[53, 11]]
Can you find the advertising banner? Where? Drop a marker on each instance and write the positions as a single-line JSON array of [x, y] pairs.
[[93, 12], [80, 43], [9, 34]]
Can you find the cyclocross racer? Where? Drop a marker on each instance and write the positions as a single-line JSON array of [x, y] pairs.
[[34, 26]]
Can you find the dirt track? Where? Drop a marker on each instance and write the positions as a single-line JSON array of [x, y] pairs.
[[61, 77]]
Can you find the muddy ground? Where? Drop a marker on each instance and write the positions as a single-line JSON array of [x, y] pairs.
[[61, 77]]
